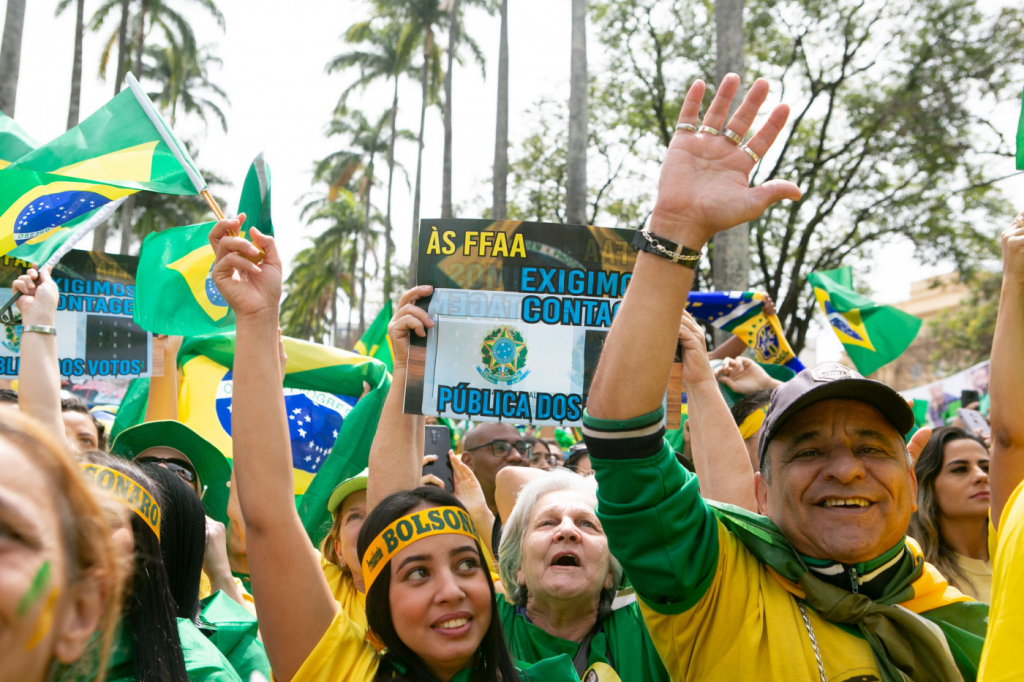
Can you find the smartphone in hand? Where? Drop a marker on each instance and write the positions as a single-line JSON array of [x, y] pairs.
[[974, 422], [437, 441]]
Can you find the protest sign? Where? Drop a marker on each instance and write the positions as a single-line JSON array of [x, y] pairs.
[[522, 310], [96, 337], [941, 394]]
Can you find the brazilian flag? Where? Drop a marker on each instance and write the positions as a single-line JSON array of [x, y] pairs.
[[374, 341], [331, 422], [174, 292], [14, 141], [873, 335], [742, 313], [117, 151]]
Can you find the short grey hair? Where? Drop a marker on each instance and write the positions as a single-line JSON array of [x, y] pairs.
[[510, 552]]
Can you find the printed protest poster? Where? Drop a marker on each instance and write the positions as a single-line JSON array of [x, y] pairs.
[[521, 312], [945, 392], [96, 336]]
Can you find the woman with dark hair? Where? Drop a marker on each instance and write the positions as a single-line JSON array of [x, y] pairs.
[[155, 643], [951, 521], [429, 596]]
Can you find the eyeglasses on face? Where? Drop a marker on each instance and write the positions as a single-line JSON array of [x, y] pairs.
[[502, 448]]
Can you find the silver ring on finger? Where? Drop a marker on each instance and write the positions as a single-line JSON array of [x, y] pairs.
[[734, 136], [751, 153], [709, 130], [688, 127]]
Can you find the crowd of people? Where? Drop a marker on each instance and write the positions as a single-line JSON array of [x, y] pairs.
[[804, 533]]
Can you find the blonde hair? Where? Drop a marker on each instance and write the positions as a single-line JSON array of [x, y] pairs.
[[328, 547], [84, 525]]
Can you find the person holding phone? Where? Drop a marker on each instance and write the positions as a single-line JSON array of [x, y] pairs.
[[951, 521]]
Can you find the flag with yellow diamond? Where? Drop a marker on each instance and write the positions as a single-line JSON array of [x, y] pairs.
[[115, 152], [174, 292], [873, 335]]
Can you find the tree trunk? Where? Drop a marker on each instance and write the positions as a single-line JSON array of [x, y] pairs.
[[428, 49], [99, 237], [576, 182], [388, 245], [500, 181], [128, 209], [334, 297], [76, 69], [352, 263], [453, 43], [366, 246], [10, 55], [730, 261]]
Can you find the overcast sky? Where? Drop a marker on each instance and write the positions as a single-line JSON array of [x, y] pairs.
[[274, 55]]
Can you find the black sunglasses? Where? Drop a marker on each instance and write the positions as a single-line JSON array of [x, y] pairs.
[[184, 470]]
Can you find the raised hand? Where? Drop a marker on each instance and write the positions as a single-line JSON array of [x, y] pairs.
[[704, 186], [696, 366], [745, 376], [39, 297], [1013, 251], [248, 288], [408, 319]]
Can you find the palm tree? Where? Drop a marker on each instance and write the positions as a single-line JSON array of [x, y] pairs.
[[178, 32], [385, 56], [10, 55], [500, 182], [453, 41], [576, 182], [183, 78], [76, 67]]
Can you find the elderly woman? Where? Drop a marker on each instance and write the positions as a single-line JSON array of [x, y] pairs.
[[560, 580]]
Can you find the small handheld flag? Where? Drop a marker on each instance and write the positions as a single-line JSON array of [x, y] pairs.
[[174, 292], [374, 341], [742, 313], [873, 335]]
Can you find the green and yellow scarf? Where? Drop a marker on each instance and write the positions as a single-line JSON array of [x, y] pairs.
[[921, 628]]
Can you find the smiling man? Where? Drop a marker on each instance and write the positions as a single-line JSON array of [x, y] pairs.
[[824, 585]]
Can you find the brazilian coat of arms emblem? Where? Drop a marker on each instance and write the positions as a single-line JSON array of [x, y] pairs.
[[503, 356]]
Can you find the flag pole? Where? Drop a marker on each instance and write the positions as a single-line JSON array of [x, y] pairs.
[[101, 214]]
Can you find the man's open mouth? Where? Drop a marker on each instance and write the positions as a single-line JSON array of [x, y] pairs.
[[845, 502]]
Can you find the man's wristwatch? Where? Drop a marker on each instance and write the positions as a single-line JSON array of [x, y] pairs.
[[667, 249]]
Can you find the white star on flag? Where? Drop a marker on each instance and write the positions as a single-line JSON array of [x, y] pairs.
[[335, 433], [308, 419], [302, 433]]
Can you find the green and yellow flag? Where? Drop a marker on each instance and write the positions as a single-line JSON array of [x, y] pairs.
[[174, 293], [873, 335], [323, 389], [374, 341], [119, 150], [14, 141]]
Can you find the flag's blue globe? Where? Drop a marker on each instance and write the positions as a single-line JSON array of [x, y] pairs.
[[50, 211], [314, 420], [212, 292]]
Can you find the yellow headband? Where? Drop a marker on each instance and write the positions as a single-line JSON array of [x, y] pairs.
[[752, 424], [409, 529], [127, 492]]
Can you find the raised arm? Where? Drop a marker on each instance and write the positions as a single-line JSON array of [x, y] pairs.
[[704, 189], [296, 606], [1006, 468], [163, 390], [396, 456], [39, 368], [719, 456]]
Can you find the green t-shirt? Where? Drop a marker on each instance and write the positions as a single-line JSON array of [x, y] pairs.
[[622, 643], [233, 630]]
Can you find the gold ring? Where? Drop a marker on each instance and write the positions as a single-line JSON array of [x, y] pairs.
[[688, 127], [735, 137], [708, 129], [751, 153]]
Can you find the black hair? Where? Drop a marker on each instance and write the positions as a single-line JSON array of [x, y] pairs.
[[574, 455], [149, 610], [73, 404], [8, 396], [182, 538], [749, 404], [494, 662]]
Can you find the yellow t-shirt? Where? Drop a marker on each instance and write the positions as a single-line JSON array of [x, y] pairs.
[[353, 602], [979, 573], [748, 627], [1001, 660], [341, 654]]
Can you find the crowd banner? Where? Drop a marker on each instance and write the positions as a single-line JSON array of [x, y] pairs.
[[96, 337], [521, 311], [942, 394]]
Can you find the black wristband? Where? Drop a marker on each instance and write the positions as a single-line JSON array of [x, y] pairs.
[[669, 250]]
